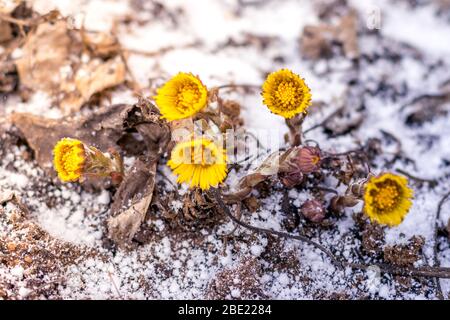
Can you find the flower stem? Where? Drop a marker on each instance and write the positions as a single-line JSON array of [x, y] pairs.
[[295, 129]]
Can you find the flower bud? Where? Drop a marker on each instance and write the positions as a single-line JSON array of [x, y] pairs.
[[313, 210], [308, 159], [291, 179]]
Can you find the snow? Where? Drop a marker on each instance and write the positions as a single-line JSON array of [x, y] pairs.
[[172, 269], [17, 272]]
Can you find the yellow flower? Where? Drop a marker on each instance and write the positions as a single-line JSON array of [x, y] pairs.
[[387, 199], [199, 162], [69, 159], [286, 94], [181, 97]]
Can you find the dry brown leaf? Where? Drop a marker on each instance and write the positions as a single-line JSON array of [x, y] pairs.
[[45, 53], [101, 44], [348, 35], [131, 202], [317, 41], [91, 78], [51, 62]]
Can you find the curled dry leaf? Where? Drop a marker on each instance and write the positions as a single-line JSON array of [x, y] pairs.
[[100, 44], [339, 203], [90, 78], [317, 41], [131, 202], [55, 49], [199, 207], [155, 132], [44, 54], [133, 198]]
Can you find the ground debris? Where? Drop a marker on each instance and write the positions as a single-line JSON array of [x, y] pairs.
[[405, 255], [317, 41], [32, 252], [240, 282], [427, 107], [58, 50]]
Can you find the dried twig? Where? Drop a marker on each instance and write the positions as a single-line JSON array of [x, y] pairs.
[[435, 247], [324, 121], [162, 50], [343, 154], [420, 272], [432, 182]]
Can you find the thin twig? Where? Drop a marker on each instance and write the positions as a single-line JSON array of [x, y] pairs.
[[420, 97], [326, 189], [422, 272], [162, 50], [432, 182], [435, 247], [114, 284], [7, 18], [343, 154], [324, 121]]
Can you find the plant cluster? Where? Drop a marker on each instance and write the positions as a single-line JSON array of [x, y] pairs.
[[202, 161]]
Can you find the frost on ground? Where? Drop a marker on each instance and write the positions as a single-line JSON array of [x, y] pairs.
[[53, 240]]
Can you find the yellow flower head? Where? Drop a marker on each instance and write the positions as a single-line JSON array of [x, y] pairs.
[[181, 97], [199, 162], [387, 199], [285, 93], [69, 159]]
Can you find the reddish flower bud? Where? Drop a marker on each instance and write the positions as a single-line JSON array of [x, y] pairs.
[[308, 159], [291, 179], [313, 210]]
